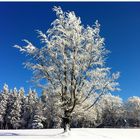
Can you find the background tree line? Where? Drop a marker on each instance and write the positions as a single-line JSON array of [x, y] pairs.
[[30, 111]]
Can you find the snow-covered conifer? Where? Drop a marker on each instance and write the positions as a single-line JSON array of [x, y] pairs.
[[29, 107], [22, 98], [3, 105], [13, 116], [38, 116], [53, 111]]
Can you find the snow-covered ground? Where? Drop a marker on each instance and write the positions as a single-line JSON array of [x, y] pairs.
[[78, 134]]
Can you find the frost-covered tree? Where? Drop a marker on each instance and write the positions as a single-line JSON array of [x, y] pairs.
[[23, 111], [10, 102], [132, 107], [111, 109], [51, 111], [22, 99], [3, 105], [38, 116], [70, 63], [82, 117], [44, 101], [13, 115], [29, 107]]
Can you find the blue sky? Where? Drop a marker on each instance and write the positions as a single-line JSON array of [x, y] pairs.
[[120, 26]]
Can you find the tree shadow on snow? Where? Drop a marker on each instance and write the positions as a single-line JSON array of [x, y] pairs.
[[16, 134], [8, 134]]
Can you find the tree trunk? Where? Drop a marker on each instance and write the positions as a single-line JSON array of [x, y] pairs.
[[1, 125], [66, 127], [66, 121]]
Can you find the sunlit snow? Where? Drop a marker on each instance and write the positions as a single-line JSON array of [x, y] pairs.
[[83, 133]]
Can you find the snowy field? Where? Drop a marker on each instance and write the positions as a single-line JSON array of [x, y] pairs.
[[84, 133]]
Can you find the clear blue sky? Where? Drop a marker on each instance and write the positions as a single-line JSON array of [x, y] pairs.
[[120, 25]]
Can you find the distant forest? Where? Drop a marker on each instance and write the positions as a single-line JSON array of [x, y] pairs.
[[30, 111]]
